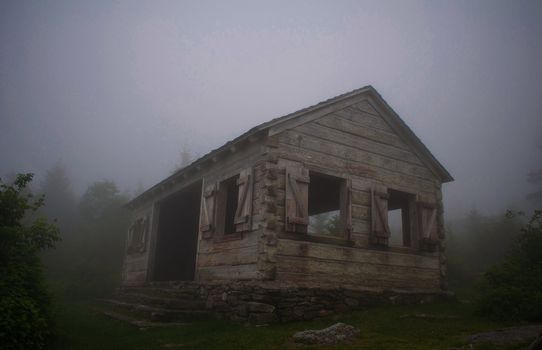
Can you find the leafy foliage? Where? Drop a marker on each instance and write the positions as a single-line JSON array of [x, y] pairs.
[[327, 223], [25, 305], [512, 290]]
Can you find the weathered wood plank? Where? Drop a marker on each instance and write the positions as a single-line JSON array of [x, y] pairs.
[[360, 226], [223, 257], [361, 212], [361, 197], [238, 272], [363, 118], [365, 106], [316, 113], [379, 136], [334, 134], [248, 239], [356, 271], [330, 253], [361, 240]]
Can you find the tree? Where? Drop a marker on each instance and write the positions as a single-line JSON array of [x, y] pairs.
[[512, 290], [25, 305], [61, 200], [185, 158], [99, 199]]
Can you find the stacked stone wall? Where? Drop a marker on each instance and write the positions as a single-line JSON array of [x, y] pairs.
[[261, 302]]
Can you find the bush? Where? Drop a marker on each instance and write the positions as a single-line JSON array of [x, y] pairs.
[[25, 305], [513, 290]]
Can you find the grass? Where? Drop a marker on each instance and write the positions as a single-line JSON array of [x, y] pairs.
[[81, 326]]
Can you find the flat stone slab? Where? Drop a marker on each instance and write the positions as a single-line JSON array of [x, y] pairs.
[[507, 335], [141, 324], [337, 333]]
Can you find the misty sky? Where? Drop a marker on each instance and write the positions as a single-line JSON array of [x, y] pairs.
[[114, 89]]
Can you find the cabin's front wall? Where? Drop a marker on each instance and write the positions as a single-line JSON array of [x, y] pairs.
[[358, 145]]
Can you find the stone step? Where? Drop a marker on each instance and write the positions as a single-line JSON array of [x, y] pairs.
[[138, 322], [160, 292], [153, 313], [166, 302]]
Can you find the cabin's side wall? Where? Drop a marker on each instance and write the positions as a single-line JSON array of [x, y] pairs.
[[232, 256], [358, 144], [219, 257]]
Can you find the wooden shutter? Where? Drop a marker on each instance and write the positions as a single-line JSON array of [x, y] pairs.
[[132, 233], [427, 226], [380, 231], [297, 199], [138, 234], [346, 207], [144, 236], [207, 215], [243, 213]]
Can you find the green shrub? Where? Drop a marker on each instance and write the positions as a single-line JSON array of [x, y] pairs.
[[25, 305], [512, 290]]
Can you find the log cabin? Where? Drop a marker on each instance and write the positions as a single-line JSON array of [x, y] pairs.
[[339, 195]]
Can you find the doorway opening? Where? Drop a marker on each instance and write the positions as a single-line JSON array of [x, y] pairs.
[[177, 236]]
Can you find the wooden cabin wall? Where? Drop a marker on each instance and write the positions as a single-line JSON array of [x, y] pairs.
[[356, 143], [233, 257], [217, 258]]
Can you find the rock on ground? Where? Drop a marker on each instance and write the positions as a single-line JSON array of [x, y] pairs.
[[507, 335], [537, 343], [337, 333]]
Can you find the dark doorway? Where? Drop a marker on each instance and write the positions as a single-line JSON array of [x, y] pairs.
[[177, 239]]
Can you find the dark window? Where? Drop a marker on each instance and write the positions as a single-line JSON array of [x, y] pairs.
[[325, 205], [400, 217]]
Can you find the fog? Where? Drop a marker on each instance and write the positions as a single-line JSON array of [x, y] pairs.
[[115, 90]]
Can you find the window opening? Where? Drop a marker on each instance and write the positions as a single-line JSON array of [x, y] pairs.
[[400, 206], [324, 205], [395, 223]]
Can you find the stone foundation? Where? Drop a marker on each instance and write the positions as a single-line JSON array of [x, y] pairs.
[[261, 302]]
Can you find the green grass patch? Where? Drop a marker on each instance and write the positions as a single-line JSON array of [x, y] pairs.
[[429, 326]]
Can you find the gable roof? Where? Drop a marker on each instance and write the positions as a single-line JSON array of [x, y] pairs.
[[312, 112]]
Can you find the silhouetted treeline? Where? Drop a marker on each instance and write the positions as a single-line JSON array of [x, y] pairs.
[[88, 261]]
